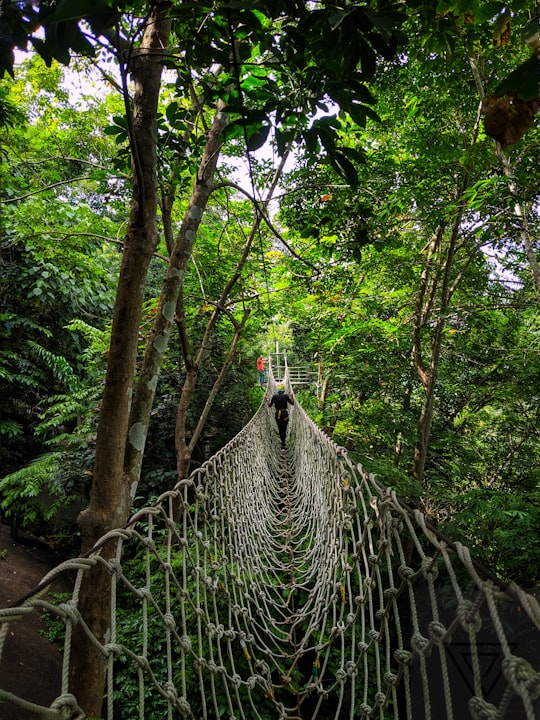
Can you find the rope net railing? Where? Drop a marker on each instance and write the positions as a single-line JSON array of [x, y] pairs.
[[290, 584]]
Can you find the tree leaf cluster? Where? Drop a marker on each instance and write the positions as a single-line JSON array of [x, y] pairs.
[[381, 102]]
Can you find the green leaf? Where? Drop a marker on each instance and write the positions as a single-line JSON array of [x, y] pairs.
[[345, 168], [120, 120], [258, 138], [11, 428], [310, 137], [488, 11], [336, 18], [371, 114], [358, 114], [327, 136], [367, 60], [282, 140], [119, 129], [77, 9], [171, 111], [310, 231], [351, 57], [361, 92], [355, 154]]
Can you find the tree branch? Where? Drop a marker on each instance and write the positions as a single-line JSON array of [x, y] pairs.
[[45, 189], [259, 207]]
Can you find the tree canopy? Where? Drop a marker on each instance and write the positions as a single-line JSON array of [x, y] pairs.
[[382, 228]]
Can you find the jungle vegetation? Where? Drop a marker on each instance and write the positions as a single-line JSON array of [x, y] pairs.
[[185, 184]]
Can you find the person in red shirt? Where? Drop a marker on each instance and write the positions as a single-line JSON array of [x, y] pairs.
[[260, 367]]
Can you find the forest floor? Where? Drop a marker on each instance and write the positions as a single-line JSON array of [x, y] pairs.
[[30, 666]]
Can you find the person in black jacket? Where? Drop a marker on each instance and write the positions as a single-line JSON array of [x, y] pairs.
[[280, 400]]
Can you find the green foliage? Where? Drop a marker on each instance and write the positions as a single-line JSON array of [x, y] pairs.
[[256, 396], [355, 316], [391, 141], [502, 530], [23, 491], [55, 630], [10, 429], [380, 103], [10, 115], [46, 494], [56, 268], [61, 33], [60, 368], [292, 61]]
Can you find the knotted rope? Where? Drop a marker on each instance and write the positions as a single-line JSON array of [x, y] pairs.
[[290, 584]]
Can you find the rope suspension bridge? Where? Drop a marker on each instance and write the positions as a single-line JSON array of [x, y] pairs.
[[290, 584]]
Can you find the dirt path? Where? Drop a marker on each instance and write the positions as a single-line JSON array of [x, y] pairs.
[[30, 666]]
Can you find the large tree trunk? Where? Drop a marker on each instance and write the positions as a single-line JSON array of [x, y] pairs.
[[110, 499]]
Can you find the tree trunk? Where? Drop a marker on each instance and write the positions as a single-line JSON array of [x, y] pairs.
[[110, 499], [433, 280], [165, 315], [229, 357], [185, 446], [324, 393], [424, 429], [424, 300], [181, 439], [398, 449], [428, 375]]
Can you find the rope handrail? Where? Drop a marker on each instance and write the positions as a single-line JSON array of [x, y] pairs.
[[291, 584]]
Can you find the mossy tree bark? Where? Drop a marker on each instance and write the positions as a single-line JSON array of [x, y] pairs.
[[110, 502]]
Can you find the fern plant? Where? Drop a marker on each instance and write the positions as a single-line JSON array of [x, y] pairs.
[[61, 369], [10, 428], [69, 410], [55, 484], [46, 495], [22, 499], [76, 408]]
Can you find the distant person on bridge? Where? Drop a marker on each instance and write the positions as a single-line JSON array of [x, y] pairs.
[[280, 400], [260, 367]]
